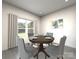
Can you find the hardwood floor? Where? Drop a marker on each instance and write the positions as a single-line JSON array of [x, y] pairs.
[[69, 53]]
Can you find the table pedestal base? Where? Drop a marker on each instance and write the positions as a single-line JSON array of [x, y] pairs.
[[41, 49]]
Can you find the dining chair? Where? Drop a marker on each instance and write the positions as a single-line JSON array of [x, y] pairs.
[[57, 51], [50, 35], [25, 51]]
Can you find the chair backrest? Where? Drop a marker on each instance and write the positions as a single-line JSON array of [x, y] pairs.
[[61, 45], [49, 34], [21, 48]]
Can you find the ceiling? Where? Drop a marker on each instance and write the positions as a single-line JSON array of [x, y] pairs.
[[41, 7]]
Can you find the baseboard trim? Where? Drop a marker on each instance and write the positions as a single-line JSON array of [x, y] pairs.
[[70, 47], [9, 49]]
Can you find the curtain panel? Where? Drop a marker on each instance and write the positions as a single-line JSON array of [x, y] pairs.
[[12, 30]]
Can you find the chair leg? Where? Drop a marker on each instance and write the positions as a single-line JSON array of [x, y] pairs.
[[45, 56], [57, 57], [37, 56], [62, 57]]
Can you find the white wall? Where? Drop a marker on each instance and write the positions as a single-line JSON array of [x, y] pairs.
[[69, 25], [43, 25], [6, 9]]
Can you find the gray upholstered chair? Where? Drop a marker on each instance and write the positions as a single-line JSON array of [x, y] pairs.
[[24, 51], [57, 51], [49, 34]]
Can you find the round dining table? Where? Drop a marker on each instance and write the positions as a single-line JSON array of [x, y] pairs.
[[42, 40]]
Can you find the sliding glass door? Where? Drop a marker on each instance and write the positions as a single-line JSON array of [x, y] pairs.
[[25, 29]]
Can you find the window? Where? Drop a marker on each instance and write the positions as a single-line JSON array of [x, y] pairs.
[[30, 29], [25, 28]]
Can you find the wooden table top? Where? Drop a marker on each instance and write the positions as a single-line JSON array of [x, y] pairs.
[[42, 39]]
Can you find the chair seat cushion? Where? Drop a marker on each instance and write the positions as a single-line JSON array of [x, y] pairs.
[[52, 50]]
